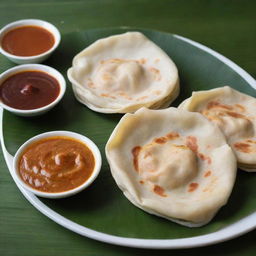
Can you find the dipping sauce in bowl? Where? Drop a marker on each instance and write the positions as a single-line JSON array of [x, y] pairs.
[[29, 90], [57, 164], [27, 41]]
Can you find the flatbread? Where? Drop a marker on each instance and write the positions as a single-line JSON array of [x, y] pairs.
[[122, 73], [172, 163], [234, 113]]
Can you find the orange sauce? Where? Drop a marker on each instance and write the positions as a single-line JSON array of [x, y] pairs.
[[56, 164], [27, 41]]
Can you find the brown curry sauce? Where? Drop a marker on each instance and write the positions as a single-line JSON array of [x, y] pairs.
[[56, 164]]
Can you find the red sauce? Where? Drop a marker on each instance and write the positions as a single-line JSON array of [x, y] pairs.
[[29, 90], [27, 41], [56, 164]]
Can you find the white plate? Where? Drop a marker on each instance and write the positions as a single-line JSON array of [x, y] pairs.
[[242, 226]]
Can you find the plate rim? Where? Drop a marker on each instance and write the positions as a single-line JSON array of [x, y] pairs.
[[236, 229]]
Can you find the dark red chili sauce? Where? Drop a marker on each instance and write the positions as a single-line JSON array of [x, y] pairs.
[[29, 90], [27, 41]]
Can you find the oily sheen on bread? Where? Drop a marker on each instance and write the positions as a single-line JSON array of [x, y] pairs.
[[234, 113], [172, 163], [122, 73]]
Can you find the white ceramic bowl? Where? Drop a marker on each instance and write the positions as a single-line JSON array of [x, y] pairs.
[[94, 149], [34, 67], [30, 22]]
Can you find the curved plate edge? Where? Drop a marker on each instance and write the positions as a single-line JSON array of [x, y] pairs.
[[246, 76], [243, 226]]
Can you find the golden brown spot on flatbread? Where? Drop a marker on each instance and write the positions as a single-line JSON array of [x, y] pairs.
[[156, 72], [205, 158], [192, 143], [106, 76], [251, 141], [108, 96], [212, 184], [159, 191], [160, 140], [135, 152], [243, 147], [141, 182], [192, 186], [157, 92], [147, 154], [207, 174], [211, 118], [242, 108], [180, 146], [116, 60], [124, 95], [90, 83], [235, 114], [169, 136], [142, 61], [214, 104], [142, 98], [172, 135]]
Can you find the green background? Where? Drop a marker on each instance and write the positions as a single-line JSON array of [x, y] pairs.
[[226, 26]]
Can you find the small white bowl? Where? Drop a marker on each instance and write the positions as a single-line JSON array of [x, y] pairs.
[[34, 67], [30, 22], [91, 145]]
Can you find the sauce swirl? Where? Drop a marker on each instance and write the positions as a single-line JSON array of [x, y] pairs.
[[56, 164]]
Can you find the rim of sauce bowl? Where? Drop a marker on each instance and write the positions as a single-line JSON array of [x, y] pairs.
[[30, 22], [34, 67], [54, 195]]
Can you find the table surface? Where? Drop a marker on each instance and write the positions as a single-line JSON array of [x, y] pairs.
[[227, 26]]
